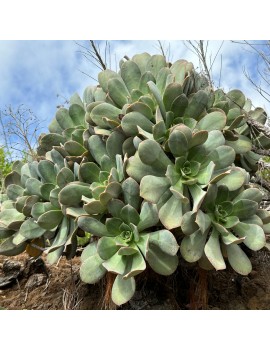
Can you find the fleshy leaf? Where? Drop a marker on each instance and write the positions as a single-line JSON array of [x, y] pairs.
[[192, 246], [135, 264], [170, 214], [161, 262], [134, 119], [231, 239], [47, 172], [165, 240], [171, 92], [189, 225], [131, 191], [198, 195], [148, 216], [158, 98], [123, 290], [213, 252], [143, 244], [8, 248], [234, 180], [238, 259], [213, 121], [152, 154], [240, 146], [113, 226], [8, 216], [115, 264], [50, 219], [118, 92], [64, 177], [105, 110], [93, 226], [152, 188], [91, 270], [252, 194], [129, 215], [71, 194], [244, 208], [131, 75], [31, 230], [254, 235], [57, 247], [106, 247]]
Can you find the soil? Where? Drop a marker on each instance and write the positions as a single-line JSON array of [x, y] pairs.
[[31, 284]]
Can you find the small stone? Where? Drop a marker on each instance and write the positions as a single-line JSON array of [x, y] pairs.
[[35, 280], [12, 267], [34, 266], [7, 281]]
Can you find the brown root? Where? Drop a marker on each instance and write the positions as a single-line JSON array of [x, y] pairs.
[[199, 291]]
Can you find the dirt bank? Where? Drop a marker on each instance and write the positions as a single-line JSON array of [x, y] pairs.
[[33, 285]]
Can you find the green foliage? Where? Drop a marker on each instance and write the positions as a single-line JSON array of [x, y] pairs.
[[150, 160], [5, 165], [265, 172]]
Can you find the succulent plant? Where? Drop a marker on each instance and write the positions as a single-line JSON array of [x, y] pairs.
[[68, 130], [200, 158], [37, 211], [126, 241], [225, 220], [149, 158]]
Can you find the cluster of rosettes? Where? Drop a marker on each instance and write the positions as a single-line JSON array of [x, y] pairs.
[[149, 161]]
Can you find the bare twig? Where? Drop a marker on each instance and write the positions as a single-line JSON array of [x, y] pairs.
[[258, 126], [93, 54], [203, 59], [161, 48], [220, 71], [262, 53], [260, 151], [21, 129], [262, 182], [198, 48], [258, 86], [164, 47], [264, 165], [97, 54]]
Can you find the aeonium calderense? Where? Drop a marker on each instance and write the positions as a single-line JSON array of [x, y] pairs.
[[225, 221], [127, 240], [150, 152]]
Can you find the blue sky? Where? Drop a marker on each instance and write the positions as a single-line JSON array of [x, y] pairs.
[[33, 73]]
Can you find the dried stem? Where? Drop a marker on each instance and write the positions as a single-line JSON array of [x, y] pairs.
[[199, 291], [260, 151], [93, 54], [97, 54], [199, 48], [203, 59], [161, 48], [107, 302], [258, 126], [262, 182]]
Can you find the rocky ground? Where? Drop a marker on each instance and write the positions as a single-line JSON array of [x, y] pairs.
[[31, 285]]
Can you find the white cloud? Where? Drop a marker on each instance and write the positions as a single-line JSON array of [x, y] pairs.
[[34, 72]]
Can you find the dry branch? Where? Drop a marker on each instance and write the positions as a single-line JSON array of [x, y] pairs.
[[259, 151], [262, 182], [260, 127]]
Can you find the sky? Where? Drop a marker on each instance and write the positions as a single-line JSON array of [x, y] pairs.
[[42, 74]]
